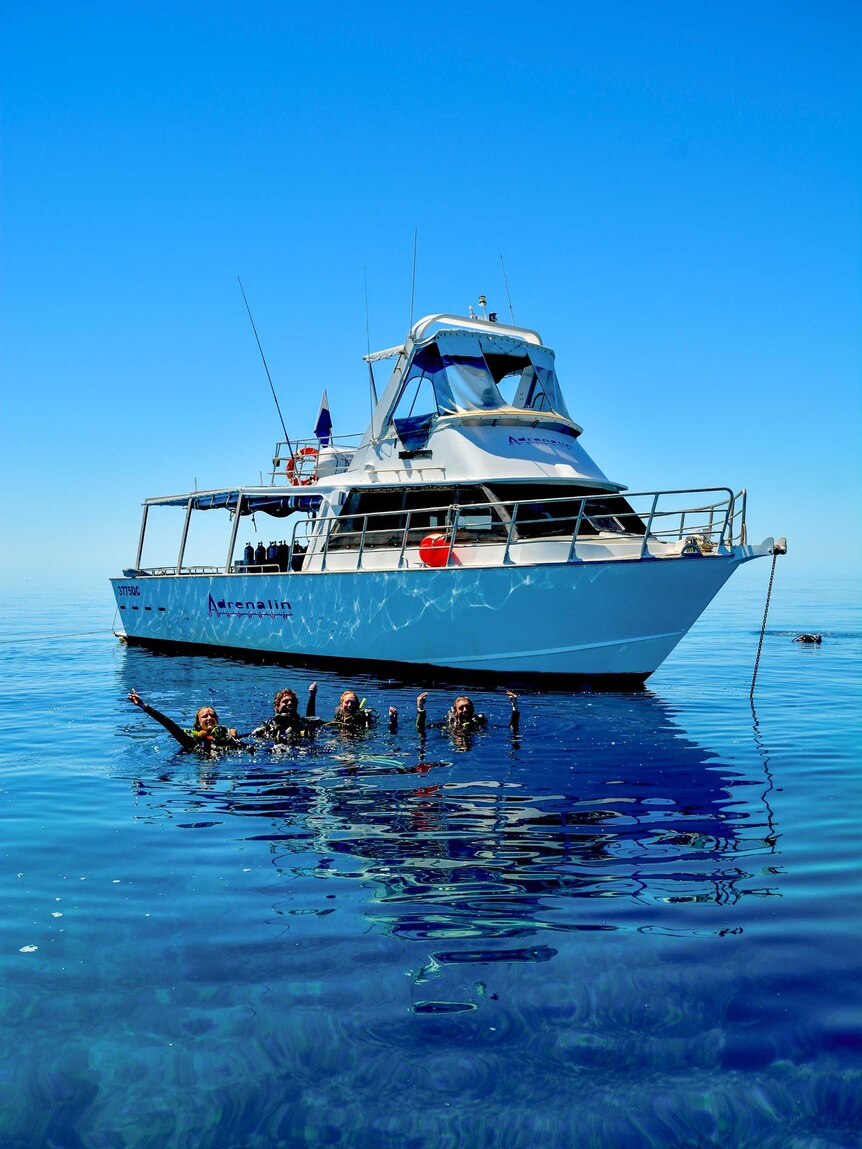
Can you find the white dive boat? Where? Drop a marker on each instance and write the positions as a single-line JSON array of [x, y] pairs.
[[467, 531]]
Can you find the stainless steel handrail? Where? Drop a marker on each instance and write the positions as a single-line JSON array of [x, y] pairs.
[[254, 568], [171, 569], [573, 546], [514, 526], [291, 453], [724, 511], [404, 538], [649, 523]]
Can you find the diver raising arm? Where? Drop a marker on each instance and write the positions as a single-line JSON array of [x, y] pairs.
[[205, 734], [462, 715]]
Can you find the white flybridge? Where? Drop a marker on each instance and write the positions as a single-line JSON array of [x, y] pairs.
[[468, 531]]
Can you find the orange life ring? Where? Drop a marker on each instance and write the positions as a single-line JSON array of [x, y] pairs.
[[295, 467]]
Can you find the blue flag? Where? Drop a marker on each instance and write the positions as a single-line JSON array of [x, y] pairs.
[[323, 426]]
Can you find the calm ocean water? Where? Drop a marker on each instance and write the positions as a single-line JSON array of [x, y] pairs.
[[638, 925]]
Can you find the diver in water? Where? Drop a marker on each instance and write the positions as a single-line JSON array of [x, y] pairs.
[[287, 723], [462, 717], [205, 735], [351, 714]]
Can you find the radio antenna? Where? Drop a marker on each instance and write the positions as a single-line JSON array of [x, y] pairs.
[[265, 367], [508, 296], [413, 278]]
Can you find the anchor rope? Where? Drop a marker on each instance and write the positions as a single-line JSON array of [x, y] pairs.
[[47, 637], [763, 626]]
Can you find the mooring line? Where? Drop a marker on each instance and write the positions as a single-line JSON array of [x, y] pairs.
[[775, 554], [48, 637]]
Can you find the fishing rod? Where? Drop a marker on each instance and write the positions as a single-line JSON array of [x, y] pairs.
[[265, 367], [371, 380], [413, 276]]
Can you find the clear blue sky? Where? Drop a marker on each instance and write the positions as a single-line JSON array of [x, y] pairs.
[[675, 189]]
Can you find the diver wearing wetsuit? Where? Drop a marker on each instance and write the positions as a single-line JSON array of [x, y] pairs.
[[351, 714], [287, 723], [462, 717], [206, 734]]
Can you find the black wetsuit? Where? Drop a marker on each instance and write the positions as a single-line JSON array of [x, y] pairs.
[[284, 728], [359, 720], [219, 738], [469, 726]]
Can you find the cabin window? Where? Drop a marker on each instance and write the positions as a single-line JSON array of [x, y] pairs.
[[547, 511], [471, 384], [539, 388], [509, 372], [461, 371], [484, 514], [418, 396], [536, 392], [430, 509], [417, 399]]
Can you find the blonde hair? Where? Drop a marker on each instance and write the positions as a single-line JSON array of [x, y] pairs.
[[197, 724]]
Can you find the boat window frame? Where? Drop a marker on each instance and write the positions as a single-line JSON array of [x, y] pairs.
[[600, 515], [439, 502], [604, 512], [452, 362]]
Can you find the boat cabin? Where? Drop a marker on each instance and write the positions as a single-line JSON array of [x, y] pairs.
[[470, 456]]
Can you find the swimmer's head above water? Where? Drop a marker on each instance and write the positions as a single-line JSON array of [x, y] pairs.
[[206, 719], [285, 702], [463, 709], [348, 704]]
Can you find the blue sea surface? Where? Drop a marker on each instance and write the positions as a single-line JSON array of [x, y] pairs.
[[637, 924]]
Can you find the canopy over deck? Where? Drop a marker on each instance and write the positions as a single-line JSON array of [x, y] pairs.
[[254, 499]]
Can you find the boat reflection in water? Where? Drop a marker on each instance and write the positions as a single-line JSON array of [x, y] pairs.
[[605, 815]]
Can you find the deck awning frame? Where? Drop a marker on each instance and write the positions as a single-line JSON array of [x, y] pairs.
[[254, 499]]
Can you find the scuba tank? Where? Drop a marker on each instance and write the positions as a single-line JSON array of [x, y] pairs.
[[283, 555], [272, 553], [259, 555], [248, 554]]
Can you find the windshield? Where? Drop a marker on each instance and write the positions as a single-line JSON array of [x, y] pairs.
[[461, 371]]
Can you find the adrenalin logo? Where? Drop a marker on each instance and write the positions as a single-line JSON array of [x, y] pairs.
[[521, 440], [228, 608]]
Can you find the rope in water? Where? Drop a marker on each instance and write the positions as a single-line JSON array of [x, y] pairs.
[[48, 637], [763, 627]]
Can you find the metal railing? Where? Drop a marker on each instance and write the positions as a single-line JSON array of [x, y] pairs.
[[173, 569], [295, 463], [611, 527], [510, 532]]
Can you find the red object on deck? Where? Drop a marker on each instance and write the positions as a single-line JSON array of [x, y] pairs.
[[434, 551]]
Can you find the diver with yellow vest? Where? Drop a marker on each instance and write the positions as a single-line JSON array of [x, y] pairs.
[[205, 736], [353, 714]]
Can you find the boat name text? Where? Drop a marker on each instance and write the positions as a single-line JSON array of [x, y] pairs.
[[521, 440], [249, 608], [124, 590]]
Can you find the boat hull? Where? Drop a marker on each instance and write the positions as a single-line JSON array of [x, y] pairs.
[[607, 622]]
